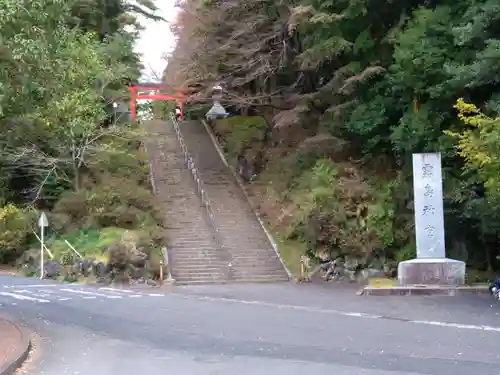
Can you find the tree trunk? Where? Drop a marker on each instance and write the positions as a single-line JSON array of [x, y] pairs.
[[76, 178]]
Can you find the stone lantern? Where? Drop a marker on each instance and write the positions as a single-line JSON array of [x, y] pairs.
[[217, 110]]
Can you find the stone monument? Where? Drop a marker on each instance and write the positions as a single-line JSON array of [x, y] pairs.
[[431, 267]]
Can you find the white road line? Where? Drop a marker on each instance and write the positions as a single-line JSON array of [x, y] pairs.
[[89, 293], [46, 291], [21, 297], [43, 295], [65, 299], [456, 325], [288, 307], [348, 313], [32, 286], [131, 293], [116, 290]]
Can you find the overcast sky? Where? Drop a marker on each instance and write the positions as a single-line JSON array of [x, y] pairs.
[[156, 40]]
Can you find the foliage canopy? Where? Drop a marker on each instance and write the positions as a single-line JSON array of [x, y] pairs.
[[381, 76], [62, 65]]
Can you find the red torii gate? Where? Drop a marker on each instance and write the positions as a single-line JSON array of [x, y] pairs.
[[134, 89]]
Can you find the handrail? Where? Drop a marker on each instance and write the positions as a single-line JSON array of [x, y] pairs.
[[189, 161]]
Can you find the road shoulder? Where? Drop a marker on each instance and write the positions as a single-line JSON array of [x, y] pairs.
[[15, 345]]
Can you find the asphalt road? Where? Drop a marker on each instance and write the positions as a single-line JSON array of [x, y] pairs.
[[252, 329]]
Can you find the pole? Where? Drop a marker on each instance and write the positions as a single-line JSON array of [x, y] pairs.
[[42, 230], [133, 97]]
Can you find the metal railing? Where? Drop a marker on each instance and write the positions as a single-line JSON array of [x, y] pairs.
[[189, 161]]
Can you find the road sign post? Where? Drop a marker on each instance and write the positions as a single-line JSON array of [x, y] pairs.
[[43, 222]]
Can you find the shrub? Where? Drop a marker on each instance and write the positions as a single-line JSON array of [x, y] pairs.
[[241, 133], [330, 211], [116, 202], [288, 169], [479, 145], [15, 228], [119, 248], [123, 163], [135, 249]]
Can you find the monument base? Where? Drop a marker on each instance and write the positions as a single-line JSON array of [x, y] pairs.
[[431, 271]]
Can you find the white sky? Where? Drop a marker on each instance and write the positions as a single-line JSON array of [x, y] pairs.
[[156, 40]]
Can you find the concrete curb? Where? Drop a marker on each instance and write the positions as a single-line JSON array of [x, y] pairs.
[[10, 365], [417, 290]]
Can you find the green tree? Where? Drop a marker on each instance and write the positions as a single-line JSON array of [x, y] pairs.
[[381, 77], [56, 80]]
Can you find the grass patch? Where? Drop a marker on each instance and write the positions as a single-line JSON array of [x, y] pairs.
[[379, 282], [92, 243], [290, 252], [88, 242], [473, 276]]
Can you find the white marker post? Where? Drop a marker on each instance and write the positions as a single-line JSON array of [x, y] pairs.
[[428, 196], [431, 267], [43, 222]]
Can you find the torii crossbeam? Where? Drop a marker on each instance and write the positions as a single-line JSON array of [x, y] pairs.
[[153, 93]]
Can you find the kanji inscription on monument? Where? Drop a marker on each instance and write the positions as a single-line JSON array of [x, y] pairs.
[[428, 197]]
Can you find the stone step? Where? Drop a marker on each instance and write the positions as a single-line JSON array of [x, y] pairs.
[[196, 251], [239, 281], [259, 280], [187, 237], [200, 273], [245, 245], [193, 255], [200, 281], [254, 258], [257, 268], [198, 261], [240, 232], [188, 233], [211, 266], [249, 265], [273, 262], [256, 275], [197, 246]]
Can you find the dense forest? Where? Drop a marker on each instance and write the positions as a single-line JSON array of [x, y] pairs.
[[333, 98], [63, 150]]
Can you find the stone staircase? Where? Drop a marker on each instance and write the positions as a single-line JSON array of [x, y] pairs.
[[240, 234], [194, 254]]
